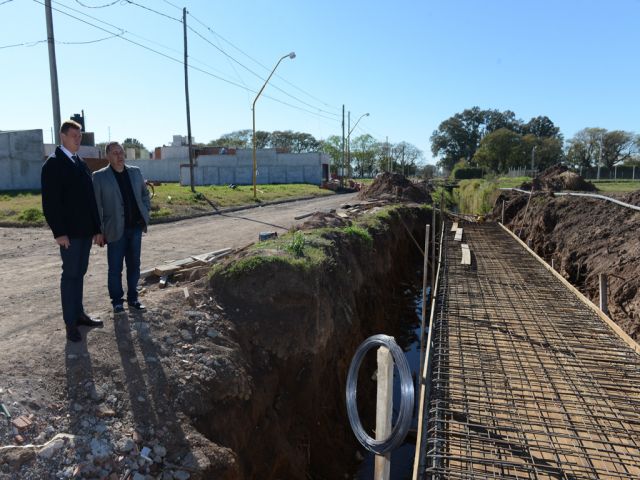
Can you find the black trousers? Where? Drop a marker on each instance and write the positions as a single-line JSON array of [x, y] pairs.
[[75, 261]]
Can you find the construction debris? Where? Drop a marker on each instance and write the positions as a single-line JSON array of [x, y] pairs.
[[185, 266]]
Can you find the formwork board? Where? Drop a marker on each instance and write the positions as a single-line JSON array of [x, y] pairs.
[[526, 380]]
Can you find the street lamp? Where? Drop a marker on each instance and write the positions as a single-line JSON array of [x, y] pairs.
[[349, 137], [291, 55]]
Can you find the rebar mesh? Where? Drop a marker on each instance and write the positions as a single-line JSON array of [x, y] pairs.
[[526, 380]]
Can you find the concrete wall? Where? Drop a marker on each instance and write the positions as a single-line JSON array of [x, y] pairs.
[[272, 167], [165, 170], [21, 158]]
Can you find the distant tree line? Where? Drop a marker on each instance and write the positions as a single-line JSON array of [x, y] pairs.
[[366, 157], [498, 141]]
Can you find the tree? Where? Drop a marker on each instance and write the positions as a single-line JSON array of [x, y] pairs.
[[584, 149], [363, 151], [236, 139], [332, 146], [617, 147], [133, 143], [459, 136], [500, 150], [540, 127]]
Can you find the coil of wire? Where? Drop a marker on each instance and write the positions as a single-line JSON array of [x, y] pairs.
[[403, 422]]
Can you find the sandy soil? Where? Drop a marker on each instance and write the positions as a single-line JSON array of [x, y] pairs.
[[30, 264]]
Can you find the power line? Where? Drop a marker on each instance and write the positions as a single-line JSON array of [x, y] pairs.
[[263, 66], [5, 1], [97, 6], [169, 57], [256, 74], [222, 51], [154, 11], [173, 5], [58, 42]]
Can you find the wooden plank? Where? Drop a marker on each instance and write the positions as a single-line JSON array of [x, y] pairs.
[[458, 237], [454, 226], [466, 254], [384, 410], [164, 270]]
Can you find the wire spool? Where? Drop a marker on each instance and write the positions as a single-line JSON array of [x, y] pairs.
[[403, 423]]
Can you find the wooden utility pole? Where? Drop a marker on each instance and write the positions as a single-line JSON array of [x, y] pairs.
[[341, 172], [53, 71], [186, 94]]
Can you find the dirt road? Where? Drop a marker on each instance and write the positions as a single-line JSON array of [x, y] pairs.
[[30, 312]]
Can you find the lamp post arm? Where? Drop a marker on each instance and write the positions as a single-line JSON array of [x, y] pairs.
[[267, 80]]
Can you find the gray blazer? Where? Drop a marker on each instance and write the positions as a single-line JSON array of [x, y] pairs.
[[111, 205]]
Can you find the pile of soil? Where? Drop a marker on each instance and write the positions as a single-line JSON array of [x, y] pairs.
[[558, 178], [585, 237], [396, 187]]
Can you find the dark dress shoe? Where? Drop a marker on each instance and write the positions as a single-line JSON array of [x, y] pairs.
[[73, 334], [87, 321], [118, 308], [137, 306]]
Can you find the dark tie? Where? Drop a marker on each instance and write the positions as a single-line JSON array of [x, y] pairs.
[[76, 159]]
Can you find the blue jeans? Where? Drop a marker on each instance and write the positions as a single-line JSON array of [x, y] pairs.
[[127, 248], [75, 261]]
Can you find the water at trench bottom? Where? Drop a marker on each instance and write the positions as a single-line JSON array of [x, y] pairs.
[[402, 457]]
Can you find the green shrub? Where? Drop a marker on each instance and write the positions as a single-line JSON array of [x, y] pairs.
[[31, 215], [296, 245], [360, 232]]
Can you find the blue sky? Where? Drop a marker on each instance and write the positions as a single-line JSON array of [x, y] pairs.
[[410, 64]]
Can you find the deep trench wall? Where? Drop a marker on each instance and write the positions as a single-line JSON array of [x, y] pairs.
[[585, 238], [299, 330]]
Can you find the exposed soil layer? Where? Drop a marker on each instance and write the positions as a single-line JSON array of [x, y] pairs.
[[237, 376], [584, 237], [396, 187], [558, 178]]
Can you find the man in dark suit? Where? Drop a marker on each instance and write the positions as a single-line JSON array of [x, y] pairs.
[[69, 206], [123, 205]]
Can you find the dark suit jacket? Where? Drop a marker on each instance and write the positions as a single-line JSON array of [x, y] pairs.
[[68, 201]]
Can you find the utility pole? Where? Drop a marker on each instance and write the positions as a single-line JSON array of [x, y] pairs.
[[186, 94], [348, 165], [533, 157], [53, 71], [341, 176]]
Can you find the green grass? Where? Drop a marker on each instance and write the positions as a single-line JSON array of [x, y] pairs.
[[616, 186], [511, 182], [477, 196], [20, 207], [170, 200]]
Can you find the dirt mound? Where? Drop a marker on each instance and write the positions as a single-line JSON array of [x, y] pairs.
[[558, 178], [395, 186]]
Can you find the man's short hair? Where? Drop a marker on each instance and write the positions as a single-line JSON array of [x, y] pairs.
[[110, 145], [69, 124]]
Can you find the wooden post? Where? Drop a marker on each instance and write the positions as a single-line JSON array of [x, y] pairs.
[[425, 273], [552, 264], [384, 410], [503, 212], [603, 293], [433, 245]]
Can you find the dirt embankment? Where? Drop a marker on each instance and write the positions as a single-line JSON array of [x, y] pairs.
[[243, 378], [585, 237], [297, 332]]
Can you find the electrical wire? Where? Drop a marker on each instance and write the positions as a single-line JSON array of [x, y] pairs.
[[97, 6], [407, 396], [260, 64]]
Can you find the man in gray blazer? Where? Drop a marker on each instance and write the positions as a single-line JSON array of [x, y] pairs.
[[123, 205]]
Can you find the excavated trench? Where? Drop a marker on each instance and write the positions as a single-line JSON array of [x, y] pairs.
[[584, 238], [296, 331]]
